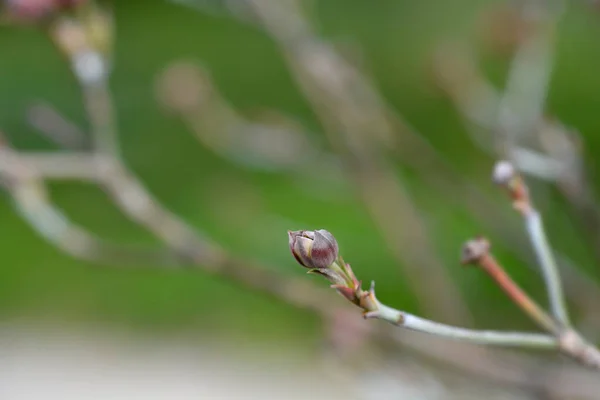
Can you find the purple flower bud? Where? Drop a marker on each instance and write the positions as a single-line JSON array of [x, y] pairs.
[[313, 249]]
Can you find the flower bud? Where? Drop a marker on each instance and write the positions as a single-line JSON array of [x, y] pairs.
[[313, 249]]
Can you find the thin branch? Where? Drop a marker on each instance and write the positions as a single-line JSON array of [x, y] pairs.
[[100, 112], [570, 342], [56, 127], [506, 175], [522, 103], [57, 165], [480, 337], [478, 101], [24, 183], [186, 89], [319, 252], [539, 241], [89, 57], [477, 252]]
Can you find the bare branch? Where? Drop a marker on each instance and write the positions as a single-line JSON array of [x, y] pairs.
[[56, 127], [520, 107], [481, 337], [24, 183], [570, 342], [506, 175], [477, 252], [57, 166]]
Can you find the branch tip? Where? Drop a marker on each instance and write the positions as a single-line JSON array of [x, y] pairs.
[[504, 172], [473, 250]]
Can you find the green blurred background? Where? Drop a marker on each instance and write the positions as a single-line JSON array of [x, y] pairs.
[[248, 212]]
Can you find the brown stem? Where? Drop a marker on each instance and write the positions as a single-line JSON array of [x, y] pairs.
[[510, 287], [571, 343]]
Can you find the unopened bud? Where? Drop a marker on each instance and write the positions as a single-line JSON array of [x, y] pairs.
[[474, 250], [504, 171], [313, 249], [507, 176]]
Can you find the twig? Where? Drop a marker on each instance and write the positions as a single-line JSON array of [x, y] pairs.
[[522, 103], [186, 89], [24, 182], [476, 252], [319, 252], [494, 338], [56, 127], [506, 175], [56, 165], [478, 101]]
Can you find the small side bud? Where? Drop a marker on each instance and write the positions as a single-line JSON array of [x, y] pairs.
[[313, 249], [504, 172], [506, 175], [474, 250]]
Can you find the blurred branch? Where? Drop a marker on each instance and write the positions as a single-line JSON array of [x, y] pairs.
[[57, 165], [522, 103], [24, 177], [104, 166], [24, 182], [274, 143], [56, 127], [545, 379], [559, 155]]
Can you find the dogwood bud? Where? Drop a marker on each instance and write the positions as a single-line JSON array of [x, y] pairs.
[[313, 249]]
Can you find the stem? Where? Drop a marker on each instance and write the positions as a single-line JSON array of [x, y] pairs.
[[539, 241], [484, 337], [531, 308], [101, 114], [572, 344]]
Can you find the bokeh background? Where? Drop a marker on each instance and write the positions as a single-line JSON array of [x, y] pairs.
[[154, 315]]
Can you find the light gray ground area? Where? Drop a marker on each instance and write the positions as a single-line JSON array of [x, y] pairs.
[[74, 364]]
